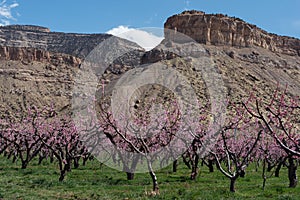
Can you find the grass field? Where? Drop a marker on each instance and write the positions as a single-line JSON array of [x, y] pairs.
[[100, 182]]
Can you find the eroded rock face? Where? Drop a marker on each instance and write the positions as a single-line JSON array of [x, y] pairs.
[[78, 45], [29, 55], [31, 28], [219, 29], [37, 67]]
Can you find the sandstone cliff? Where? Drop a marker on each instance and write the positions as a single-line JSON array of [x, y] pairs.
[[28, 55], [78, 45], [220, 30]]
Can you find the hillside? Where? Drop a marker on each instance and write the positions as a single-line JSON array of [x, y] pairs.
[[38, 66]]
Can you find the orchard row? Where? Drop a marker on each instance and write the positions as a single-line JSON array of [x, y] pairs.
[[254, 131]]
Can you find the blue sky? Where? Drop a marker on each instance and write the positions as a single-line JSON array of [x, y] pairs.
[[99, 16]]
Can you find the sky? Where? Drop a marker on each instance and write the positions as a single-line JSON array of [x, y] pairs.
[[115, 16]]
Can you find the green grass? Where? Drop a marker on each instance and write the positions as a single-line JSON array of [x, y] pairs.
[[100, 182]]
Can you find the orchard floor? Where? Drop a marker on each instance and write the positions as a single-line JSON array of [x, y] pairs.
[[100, 182]]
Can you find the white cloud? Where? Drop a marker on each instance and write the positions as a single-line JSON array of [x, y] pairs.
[[145, 39], [187, 4], [6, 13]]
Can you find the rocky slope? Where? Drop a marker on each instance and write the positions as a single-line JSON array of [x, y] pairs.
[[38, 66], [248, 58]]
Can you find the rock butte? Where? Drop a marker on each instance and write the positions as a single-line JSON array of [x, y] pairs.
[[219, 29]]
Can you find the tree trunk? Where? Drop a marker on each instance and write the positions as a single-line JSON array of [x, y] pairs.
[[9, 155], [186, 162], [292, 172], [41, 158], [256, 165], [155, 188], [14, 159], [270, 167], [232, 184], [68, 167], [84, 160], [154, 181], [130, 175], [130, 169], [210, 165], [62, 175], [175, 165], [264, 182], [24, 164], [242, 173], [76, 163], [264, 174], [195, 168], [277, 169]]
